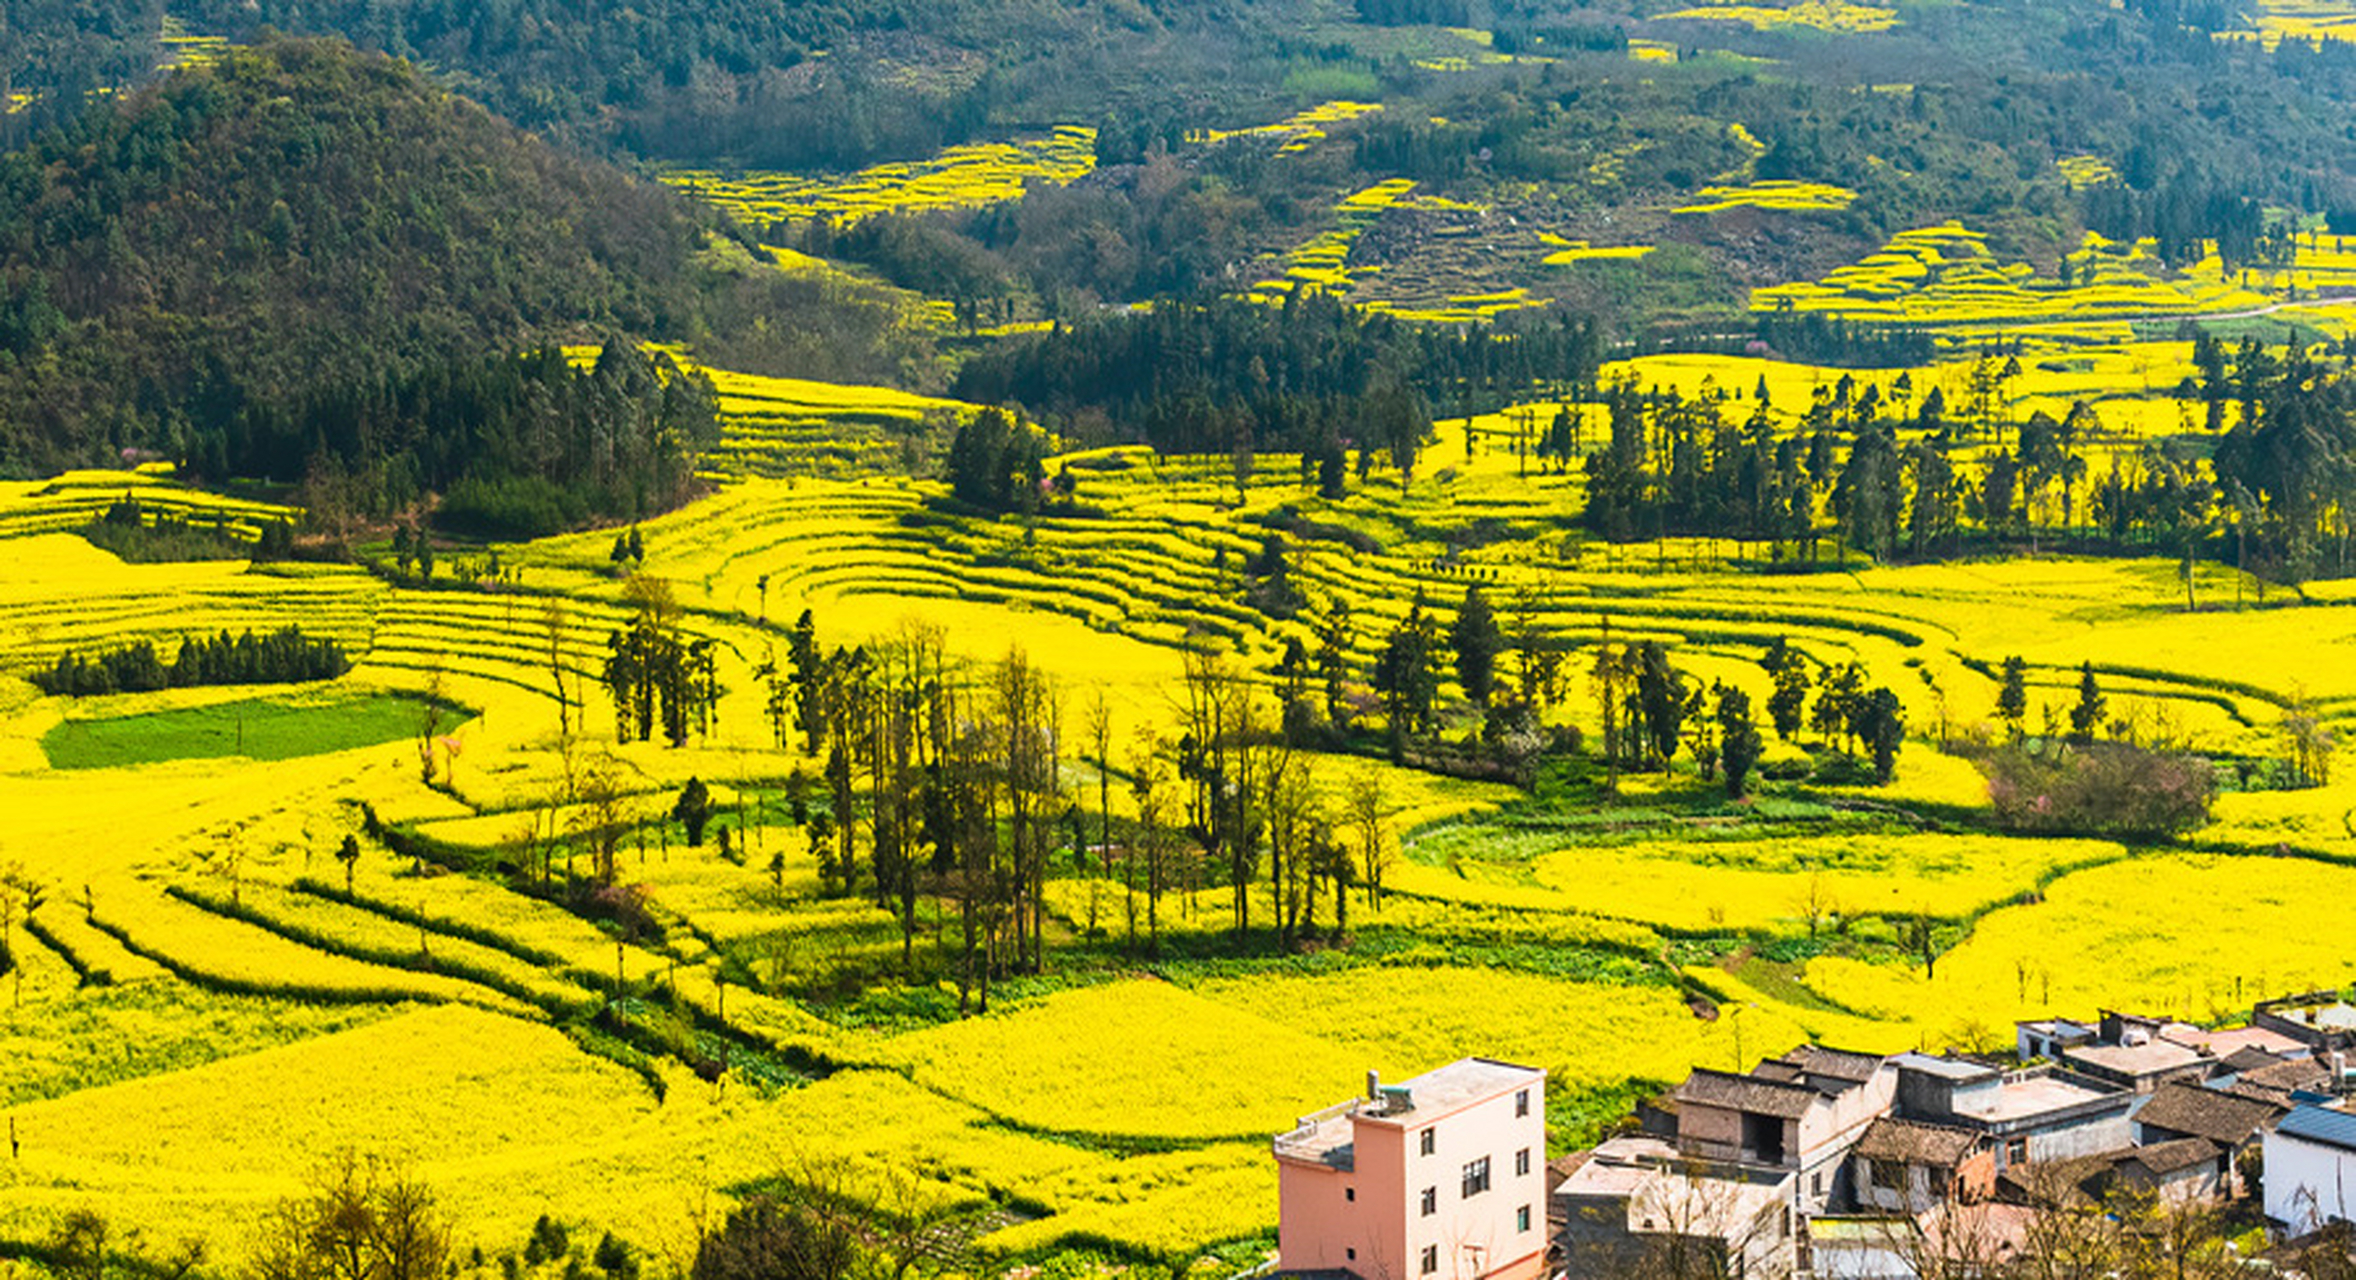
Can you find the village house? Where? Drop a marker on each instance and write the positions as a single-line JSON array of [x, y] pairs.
[[2225, 1044], [2311, 1169], [2282, 1082], [1906, 1166], [2138, 1068], [2047, 1038], [2179, 1171], [1800, 1112], [1441, 1177], [1731, 1166], [2320, 1020], [2232, 1124], [2135, 1053], [1636, 1205], [2037, 1114]]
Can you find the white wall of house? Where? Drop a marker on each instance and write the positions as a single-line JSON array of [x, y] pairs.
[[2308, 1183]]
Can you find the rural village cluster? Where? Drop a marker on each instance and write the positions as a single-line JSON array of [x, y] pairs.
[[1827, 1163]]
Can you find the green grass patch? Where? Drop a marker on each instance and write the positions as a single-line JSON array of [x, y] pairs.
[[256, 728]]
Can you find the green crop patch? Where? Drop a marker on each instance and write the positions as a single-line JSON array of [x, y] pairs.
[[255, 728]]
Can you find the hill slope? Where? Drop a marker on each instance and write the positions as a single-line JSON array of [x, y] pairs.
[[302, 218]]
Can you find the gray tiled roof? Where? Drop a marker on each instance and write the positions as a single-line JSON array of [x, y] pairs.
[[2173, 1157], [2205, 1113], [1746, 1093], [1916, 1143]]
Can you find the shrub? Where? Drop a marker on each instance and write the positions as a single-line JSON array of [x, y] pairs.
[[2098, 789], [510, 507]]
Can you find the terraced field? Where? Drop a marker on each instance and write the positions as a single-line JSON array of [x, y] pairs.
[[960, 177], [1104, 1107]]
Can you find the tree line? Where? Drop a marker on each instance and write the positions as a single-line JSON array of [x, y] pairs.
[[1313, 375], [517, 446], [285, 656]]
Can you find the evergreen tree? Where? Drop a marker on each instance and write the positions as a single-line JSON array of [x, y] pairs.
[[1883, 728], [2012, 693], [1787, 705], [1478, 642], [2086, 717], [693, 809], [1406, 675], [1657, 703], [1739, 743]]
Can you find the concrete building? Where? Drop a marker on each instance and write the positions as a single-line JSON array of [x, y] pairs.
[[2311, 1169], [2047, 1038], [2224, 1044], [1442, 1177], [2034, 1115], [2139, 1067], [2320, 1020]]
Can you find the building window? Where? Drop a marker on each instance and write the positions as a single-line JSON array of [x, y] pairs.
[[1351, 1253], [2016, 1151], [1476, 1177], [1431, 1201], [1521, 1104], [1816, 1183], [1431, 1259], [1430, 1140], [1521, 1163], [1350, 1193], [1521, 1218]]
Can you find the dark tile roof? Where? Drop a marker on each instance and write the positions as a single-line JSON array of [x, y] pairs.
[[2291, 1073], [1746, 1093], [2247, 1058], [2164, 1158], [2195, 1112], [1837, 1064], [1916, 1143]]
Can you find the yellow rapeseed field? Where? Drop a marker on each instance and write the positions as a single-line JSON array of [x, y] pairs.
[[959, 177], [1034, 1104], [1823, 15]]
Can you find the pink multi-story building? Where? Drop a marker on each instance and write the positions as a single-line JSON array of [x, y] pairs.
[[1442, 1177]]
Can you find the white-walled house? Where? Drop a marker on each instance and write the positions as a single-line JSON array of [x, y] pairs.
[[2311, 1169], [1442, 1177]]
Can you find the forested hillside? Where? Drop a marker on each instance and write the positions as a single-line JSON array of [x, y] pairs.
[[769, 84], [188, 269]]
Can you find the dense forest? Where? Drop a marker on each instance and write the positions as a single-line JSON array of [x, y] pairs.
[[786, 85], [519, 446]]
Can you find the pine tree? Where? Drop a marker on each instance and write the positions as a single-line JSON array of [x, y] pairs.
[[2012, 694], [1883, 727], [693, 810], [1658, 702], [1787, 706], [2086, 717], [1739, 744], [1478, 642]]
